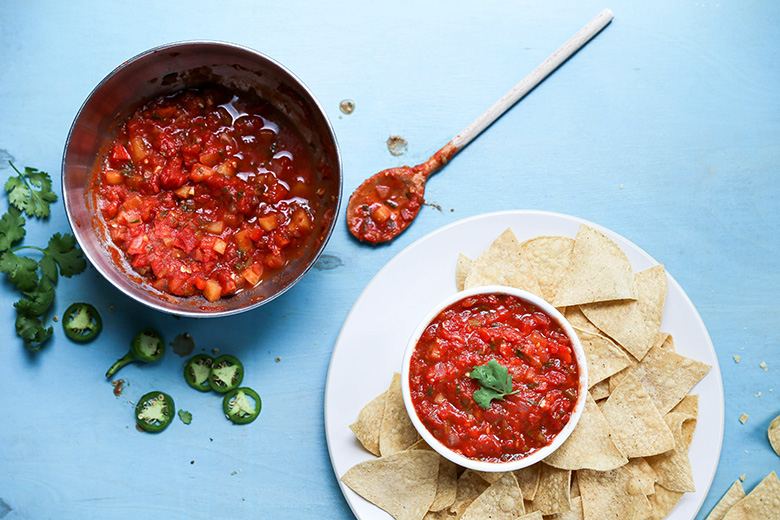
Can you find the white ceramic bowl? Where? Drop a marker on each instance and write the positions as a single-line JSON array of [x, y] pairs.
[[533, 457]]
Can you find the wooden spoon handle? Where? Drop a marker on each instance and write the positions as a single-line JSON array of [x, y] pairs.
[[528, 83]]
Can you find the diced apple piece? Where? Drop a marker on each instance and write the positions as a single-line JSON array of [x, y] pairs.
[[215, 227], [220, 246], [227, 168], [243, 241], [300, 221], [268, 222], [137, 149], [132, 202], [209, 158], [213, 290], [163, 112], [299, 189], [200, 172], [114, 177], [380, 213], [252, 274], [185, 192]]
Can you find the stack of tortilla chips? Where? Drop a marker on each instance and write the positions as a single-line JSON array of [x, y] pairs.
[[763, 503], [627, 458]]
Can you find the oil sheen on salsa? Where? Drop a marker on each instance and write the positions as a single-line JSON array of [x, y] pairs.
[[522, 338], [207, 191]]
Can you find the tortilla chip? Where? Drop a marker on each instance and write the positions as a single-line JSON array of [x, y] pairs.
[[462, 270], [663, 341], [690, 407], [663, 501], [528, 480], [575, 513], [674, 466], [549, 258], [638, 429], [607, 495], [773, 432], [635, 478], [447, 485], [503, 264], [600, 390], [403, 484], [763, 503], [535, 515], [604, 358], [490, 476], [641, 477], [397, 432], [502, 500], [470, 486], [589, 445], [369, 423], [634, 324], [420, 445], [552, 495], [574, 491], [732, 496], [599, 271], [668, 376]]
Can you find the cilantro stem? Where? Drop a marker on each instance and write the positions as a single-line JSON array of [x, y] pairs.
[[19, 248], [21, 176], [29, 192]]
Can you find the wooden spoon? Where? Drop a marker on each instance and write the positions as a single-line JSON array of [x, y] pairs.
[[386, 203]]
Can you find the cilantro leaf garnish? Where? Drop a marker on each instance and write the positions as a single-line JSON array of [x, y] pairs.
[[63, 252], [11, 228], [495, 381], [30, 191], [32, 331], [38, 301], [21, 271]]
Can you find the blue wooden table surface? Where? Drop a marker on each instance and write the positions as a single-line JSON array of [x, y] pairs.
[[665, 129]]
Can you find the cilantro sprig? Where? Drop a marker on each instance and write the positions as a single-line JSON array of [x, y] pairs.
[[495, 381], [30, 192]]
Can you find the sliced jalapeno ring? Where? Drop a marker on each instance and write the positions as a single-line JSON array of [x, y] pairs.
[[155, 411], [146, 346], [242, 405], [81, 322], [197, 372], [226, 374]]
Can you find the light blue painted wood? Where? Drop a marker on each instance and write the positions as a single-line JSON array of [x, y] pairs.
[[666, 129]]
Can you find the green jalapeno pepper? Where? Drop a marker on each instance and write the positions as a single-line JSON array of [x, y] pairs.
[[146, 346], [81, 322], [197, 372], [155, 411], [242, 405], [226, 374]]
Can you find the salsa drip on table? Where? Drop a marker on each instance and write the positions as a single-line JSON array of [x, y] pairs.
[[529, 343], [208, 191]]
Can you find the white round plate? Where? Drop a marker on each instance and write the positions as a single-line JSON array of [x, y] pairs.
[[370, 346]]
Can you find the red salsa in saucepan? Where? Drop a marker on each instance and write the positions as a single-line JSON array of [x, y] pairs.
[[207, 191], [540, 361]]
